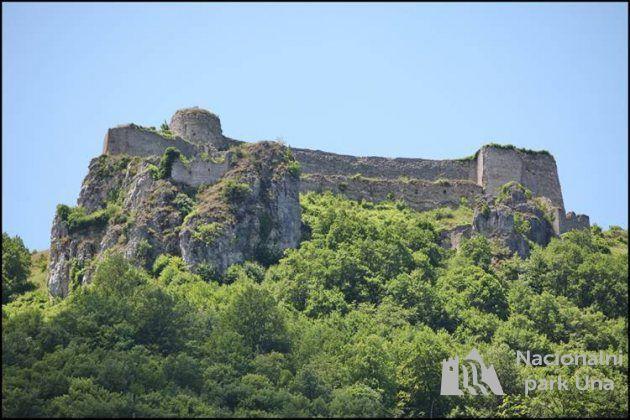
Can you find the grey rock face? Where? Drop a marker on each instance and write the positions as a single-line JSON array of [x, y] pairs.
[[260, 225], [514, 221], [498, 223]]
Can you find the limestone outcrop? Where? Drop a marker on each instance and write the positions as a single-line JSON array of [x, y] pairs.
[[130, 205], [515, 219]]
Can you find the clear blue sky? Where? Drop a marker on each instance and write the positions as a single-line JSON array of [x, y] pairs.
[[413, 80]]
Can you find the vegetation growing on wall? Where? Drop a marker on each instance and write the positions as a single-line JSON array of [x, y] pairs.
[[171, 154], [519, 149]]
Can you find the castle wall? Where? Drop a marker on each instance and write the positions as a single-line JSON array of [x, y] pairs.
[[534, 170], [418, 194], [316, 161], [572, 221], [540, 175], [492, 167], [198, 172], [136, 141]]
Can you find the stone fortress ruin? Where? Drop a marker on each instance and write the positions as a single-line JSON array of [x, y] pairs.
[[188, 190], [423, 184]]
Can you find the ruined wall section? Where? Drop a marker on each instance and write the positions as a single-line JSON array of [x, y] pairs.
[[133, 140], [540, 175], [198, 172], [572, 221], [418, 194], [536, 171], [317, 161]]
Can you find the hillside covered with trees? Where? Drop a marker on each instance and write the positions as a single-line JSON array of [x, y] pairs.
[[354, 322]]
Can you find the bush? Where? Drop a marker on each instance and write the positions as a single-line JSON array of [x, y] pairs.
[[208, 232], [171, 154], [183, 203], [235, 192], [78, 219], [521, 225], [294, 168], [504, 191]]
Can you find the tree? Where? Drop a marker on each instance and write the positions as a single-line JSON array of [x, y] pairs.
[[254, 315], [16, 267]]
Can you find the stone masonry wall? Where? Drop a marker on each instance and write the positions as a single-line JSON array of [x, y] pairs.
[[534, 170], [199, 172], [316, 161], [572, 221], [419, 194], [492, 166], [136, 141]]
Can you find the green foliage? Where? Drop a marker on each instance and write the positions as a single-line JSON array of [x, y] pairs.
[[294, 168], [504, 191], [521, 225], [205, 156], [448, 218], [184, 203], [16, 266], [253, 314], [208, 232], [546, 208], [483, 207], [355, 322], [512, 147], [235, 192], [78, 219], [143, 252], [582, 268], [163, 171], [353, 251]]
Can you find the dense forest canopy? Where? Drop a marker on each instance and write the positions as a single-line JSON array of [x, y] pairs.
[[355, 322]]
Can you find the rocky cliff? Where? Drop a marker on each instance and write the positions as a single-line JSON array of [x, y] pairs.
[[137, 207]]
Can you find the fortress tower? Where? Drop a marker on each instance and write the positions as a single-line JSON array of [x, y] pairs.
[[198, 126]]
